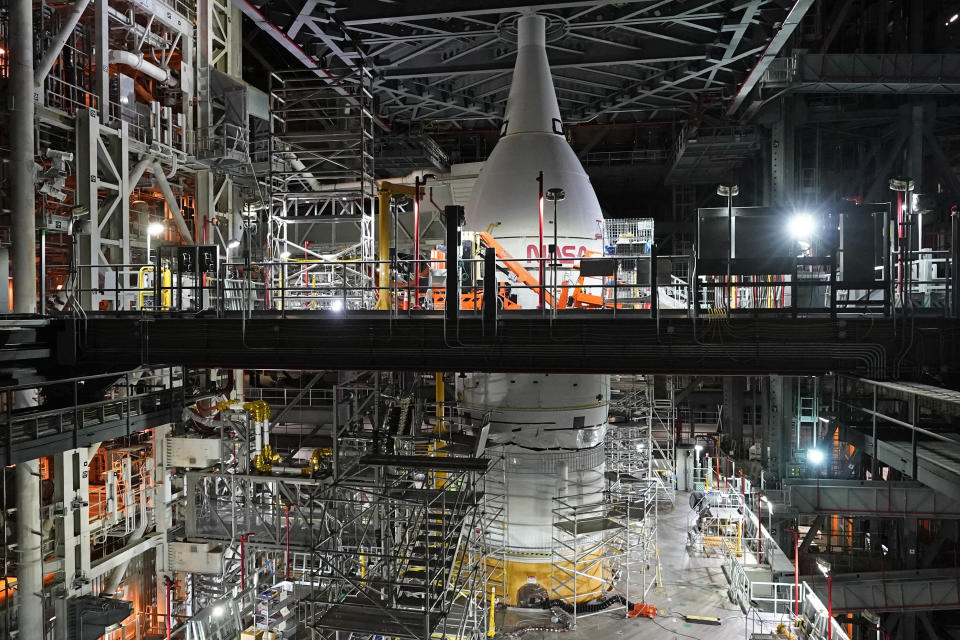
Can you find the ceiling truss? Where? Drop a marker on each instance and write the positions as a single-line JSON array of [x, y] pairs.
[[448, 62]]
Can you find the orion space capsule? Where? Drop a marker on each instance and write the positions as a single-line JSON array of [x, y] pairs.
[[549, 428]]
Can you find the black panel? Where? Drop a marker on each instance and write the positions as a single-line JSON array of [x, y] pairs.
[[862, 233], [761, 242]]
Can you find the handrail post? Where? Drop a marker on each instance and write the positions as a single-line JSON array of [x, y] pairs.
[[489, 292], [451, 304]]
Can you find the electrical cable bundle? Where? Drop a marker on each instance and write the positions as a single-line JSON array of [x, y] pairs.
[[589, 608]]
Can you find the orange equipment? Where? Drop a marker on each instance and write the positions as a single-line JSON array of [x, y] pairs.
[[642, 609]]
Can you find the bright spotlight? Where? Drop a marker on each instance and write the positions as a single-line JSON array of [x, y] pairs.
[[284, 255], [233, 244], [155, 228], [698, 448], [337, 305], [815, 456], [802, 227], [217, 611], [824, 566]]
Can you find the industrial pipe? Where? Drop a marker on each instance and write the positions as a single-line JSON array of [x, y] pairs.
[[116, 576], [138, 62], [22, 203], [164, 184], [383, 247], [56, 45]]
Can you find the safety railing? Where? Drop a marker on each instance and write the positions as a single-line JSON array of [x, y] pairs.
[[779, 600], [283, 396], [65, 406], [643, 285]]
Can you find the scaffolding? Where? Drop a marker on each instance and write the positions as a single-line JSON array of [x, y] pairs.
[[603, 549], [663, 445], [641, 441], [716, 523], [631, 240], [322, 191], [380, 534], [404, 559]]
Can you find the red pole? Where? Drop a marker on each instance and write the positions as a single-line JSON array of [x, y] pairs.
[[830, 605], [168, 582], [243, 565], [796, 571], [416, 243], [540, 251]]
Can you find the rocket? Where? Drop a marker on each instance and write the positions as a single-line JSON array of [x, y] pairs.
[[549, 428]]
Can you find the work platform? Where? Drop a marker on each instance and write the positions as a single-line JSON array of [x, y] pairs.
[[595, 341]]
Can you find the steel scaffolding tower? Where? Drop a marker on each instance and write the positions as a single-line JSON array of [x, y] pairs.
[[663, 419], [380, 534], [640, 442], [322, 191]]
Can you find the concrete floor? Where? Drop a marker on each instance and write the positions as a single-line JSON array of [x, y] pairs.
[[691, 585]]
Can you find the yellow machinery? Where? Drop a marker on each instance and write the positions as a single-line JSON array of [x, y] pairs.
[[384, 234]]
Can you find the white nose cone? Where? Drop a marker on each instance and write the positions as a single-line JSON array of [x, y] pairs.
[[549, 428], [506, 191]]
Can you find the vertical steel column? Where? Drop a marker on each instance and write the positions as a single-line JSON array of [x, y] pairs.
[[955, 264], [29, 566], [30, 560], [451, 304], [489, 303], [22, 203]]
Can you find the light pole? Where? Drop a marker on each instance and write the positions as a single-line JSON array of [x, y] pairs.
[[154, 229], [729, 191], [418, 183], [542, 290], [824, 567], [555, 195]]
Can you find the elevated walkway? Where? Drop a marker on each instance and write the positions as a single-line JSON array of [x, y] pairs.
[[594, 341], [907, 591], [878, 499]]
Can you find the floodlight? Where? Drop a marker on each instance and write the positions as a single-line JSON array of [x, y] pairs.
[[815, 456], [337, 305], [155, 228], [217, 611], [824, 566], [233, 244], [802, 227]]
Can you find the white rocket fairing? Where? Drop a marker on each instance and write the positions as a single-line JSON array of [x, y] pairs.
[[551, 427]]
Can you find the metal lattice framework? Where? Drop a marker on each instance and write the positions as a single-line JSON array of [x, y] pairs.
[[380, 533], [323, 193], [451, 61], [642, 445]]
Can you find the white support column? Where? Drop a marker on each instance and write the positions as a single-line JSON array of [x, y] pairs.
[[101, 45], [22, 205], [88, 126], [30, 564]]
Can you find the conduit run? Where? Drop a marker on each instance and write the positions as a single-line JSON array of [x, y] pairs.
[[139, 63]]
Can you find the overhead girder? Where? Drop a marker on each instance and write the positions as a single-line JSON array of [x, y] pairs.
[[877, 499], [666, 54], [883, 591]]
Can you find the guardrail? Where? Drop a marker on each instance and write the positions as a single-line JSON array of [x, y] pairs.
[[645, 284]]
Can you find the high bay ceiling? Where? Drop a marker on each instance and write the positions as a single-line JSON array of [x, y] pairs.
[[450, 62]]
